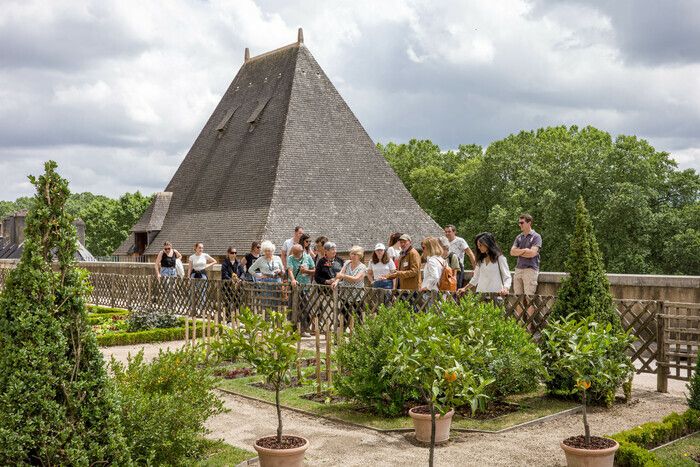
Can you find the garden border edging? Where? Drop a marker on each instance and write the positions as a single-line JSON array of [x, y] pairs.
[[570, 411]]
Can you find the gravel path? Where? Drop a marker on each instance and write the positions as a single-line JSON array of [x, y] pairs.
[[336, 444]]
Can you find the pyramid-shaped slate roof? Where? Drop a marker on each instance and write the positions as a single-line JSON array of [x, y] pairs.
[[282, 148]]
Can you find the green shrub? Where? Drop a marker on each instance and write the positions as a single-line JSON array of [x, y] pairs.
[[143, 337], [144, 318], [495, 347], [488, 346], [634, 443], [694, 387], [366, 359], [586, 350], [632, 455], [104, 318], [99, 310], [58, 404], [585, 291], [165, 405]]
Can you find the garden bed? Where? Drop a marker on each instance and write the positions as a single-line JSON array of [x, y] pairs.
[[220, 454], [110, 327], [530, 407], [680, 453]]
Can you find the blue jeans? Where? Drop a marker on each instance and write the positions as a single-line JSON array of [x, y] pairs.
[[168, 272], [383, 284]]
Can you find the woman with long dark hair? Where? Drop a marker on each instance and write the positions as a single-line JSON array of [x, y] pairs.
[[492, 274]]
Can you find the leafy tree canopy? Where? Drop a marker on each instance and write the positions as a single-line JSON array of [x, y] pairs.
[[107, 220], [645, 212]]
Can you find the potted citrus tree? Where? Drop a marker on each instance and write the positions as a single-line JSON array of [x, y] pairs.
[[592, 355], [430, 355], [269, 348]]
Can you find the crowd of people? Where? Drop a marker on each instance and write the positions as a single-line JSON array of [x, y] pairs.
[[439, 265]]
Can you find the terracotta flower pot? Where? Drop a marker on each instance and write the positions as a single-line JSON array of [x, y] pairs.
[[421, 422], [577, 457], [293, 457]]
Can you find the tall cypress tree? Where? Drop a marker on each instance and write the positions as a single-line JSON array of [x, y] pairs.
[[58, 404], [586, 290]]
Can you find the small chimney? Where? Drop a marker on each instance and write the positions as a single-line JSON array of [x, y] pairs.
[[246, 55], [300, 36]]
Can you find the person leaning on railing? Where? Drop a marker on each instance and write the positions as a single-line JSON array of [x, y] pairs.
[[351, 276], [492, 275], [166, 260], [199, 262]]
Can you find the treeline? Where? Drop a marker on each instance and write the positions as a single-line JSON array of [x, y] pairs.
[[107, 220], [646, 212]]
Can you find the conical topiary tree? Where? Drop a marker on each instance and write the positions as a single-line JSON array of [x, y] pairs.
[[585, 291], [693, 387], [58, 404]]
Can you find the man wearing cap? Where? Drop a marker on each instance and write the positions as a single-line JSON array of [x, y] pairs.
[[409, 266]]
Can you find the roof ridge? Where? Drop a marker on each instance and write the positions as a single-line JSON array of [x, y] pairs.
[[271, 52]]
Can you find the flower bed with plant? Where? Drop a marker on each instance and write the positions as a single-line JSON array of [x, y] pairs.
[[373, 392], [114, 326]]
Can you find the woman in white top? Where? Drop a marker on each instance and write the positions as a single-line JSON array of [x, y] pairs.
[[351, 278], [268, 267], [378, 267], [394, 250], [434, 264], [199, 261], [492, 274]]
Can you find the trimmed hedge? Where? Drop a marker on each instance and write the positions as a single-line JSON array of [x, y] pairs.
[[152, 335], [100, 318], [101, 310], [634, 443]]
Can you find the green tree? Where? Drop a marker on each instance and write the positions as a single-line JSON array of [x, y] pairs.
[[637, 198], [585, 291], [58, 404]]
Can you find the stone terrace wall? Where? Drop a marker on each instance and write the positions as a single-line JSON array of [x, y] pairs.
[[684, 289]]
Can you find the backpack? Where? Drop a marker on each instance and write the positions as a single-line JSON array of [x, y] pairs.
[[461, 266], [448, 281]]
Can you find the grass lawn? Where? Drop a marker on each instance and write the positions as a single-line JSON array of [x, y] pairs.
[[220, 454], [680, 453], [533, 406]]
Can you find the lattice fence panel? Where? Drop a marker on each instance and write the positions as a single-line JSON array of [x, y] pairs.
[[680, 340], [639, 317]]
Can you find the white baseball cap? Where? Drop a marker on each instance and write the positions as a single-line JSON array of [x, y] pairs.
[[379, 246]]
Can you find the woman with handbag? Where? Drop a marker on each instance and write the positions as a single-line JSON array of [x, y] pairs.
[[492, 275]]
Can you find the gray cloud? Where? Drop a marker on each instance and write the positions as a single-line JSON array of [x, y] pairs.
[[117, 91]]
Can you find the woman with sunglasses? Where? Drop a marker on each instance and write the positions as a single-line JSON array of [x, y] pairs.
[[231, 268], [165, 262], [305, 241]]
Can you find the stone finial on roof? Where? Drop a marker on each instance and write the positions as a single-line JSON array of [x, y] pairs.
[[300, 36], [246, 55]]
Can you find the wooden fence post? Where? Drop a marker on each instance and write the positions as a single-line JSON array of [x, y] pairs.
[[661, 367], [329, 341], [336, 308], [150, 290], [318, 355]]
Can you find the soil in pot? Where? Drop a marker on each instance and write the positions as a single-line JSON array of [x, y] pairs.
[[288, 453], [600, 452], [579, 442]]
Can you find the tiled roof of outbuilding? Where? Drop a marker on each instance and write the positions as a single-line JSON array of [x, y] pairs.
[[282, 148]]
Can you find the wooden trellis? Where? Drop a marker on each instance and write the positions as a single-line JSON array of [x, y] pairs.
[[678, 330], [677, 325]]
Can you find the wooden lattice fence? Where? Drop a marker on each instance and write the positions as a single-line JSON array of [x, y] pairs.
[[678, 330], [219, 301]]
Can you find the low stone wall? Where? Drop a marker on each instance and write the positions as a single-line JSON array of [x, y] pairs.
[[684, 289]]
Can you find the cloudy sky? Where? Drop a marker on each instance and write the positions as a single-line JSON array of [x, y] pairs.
[[117, 90]]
